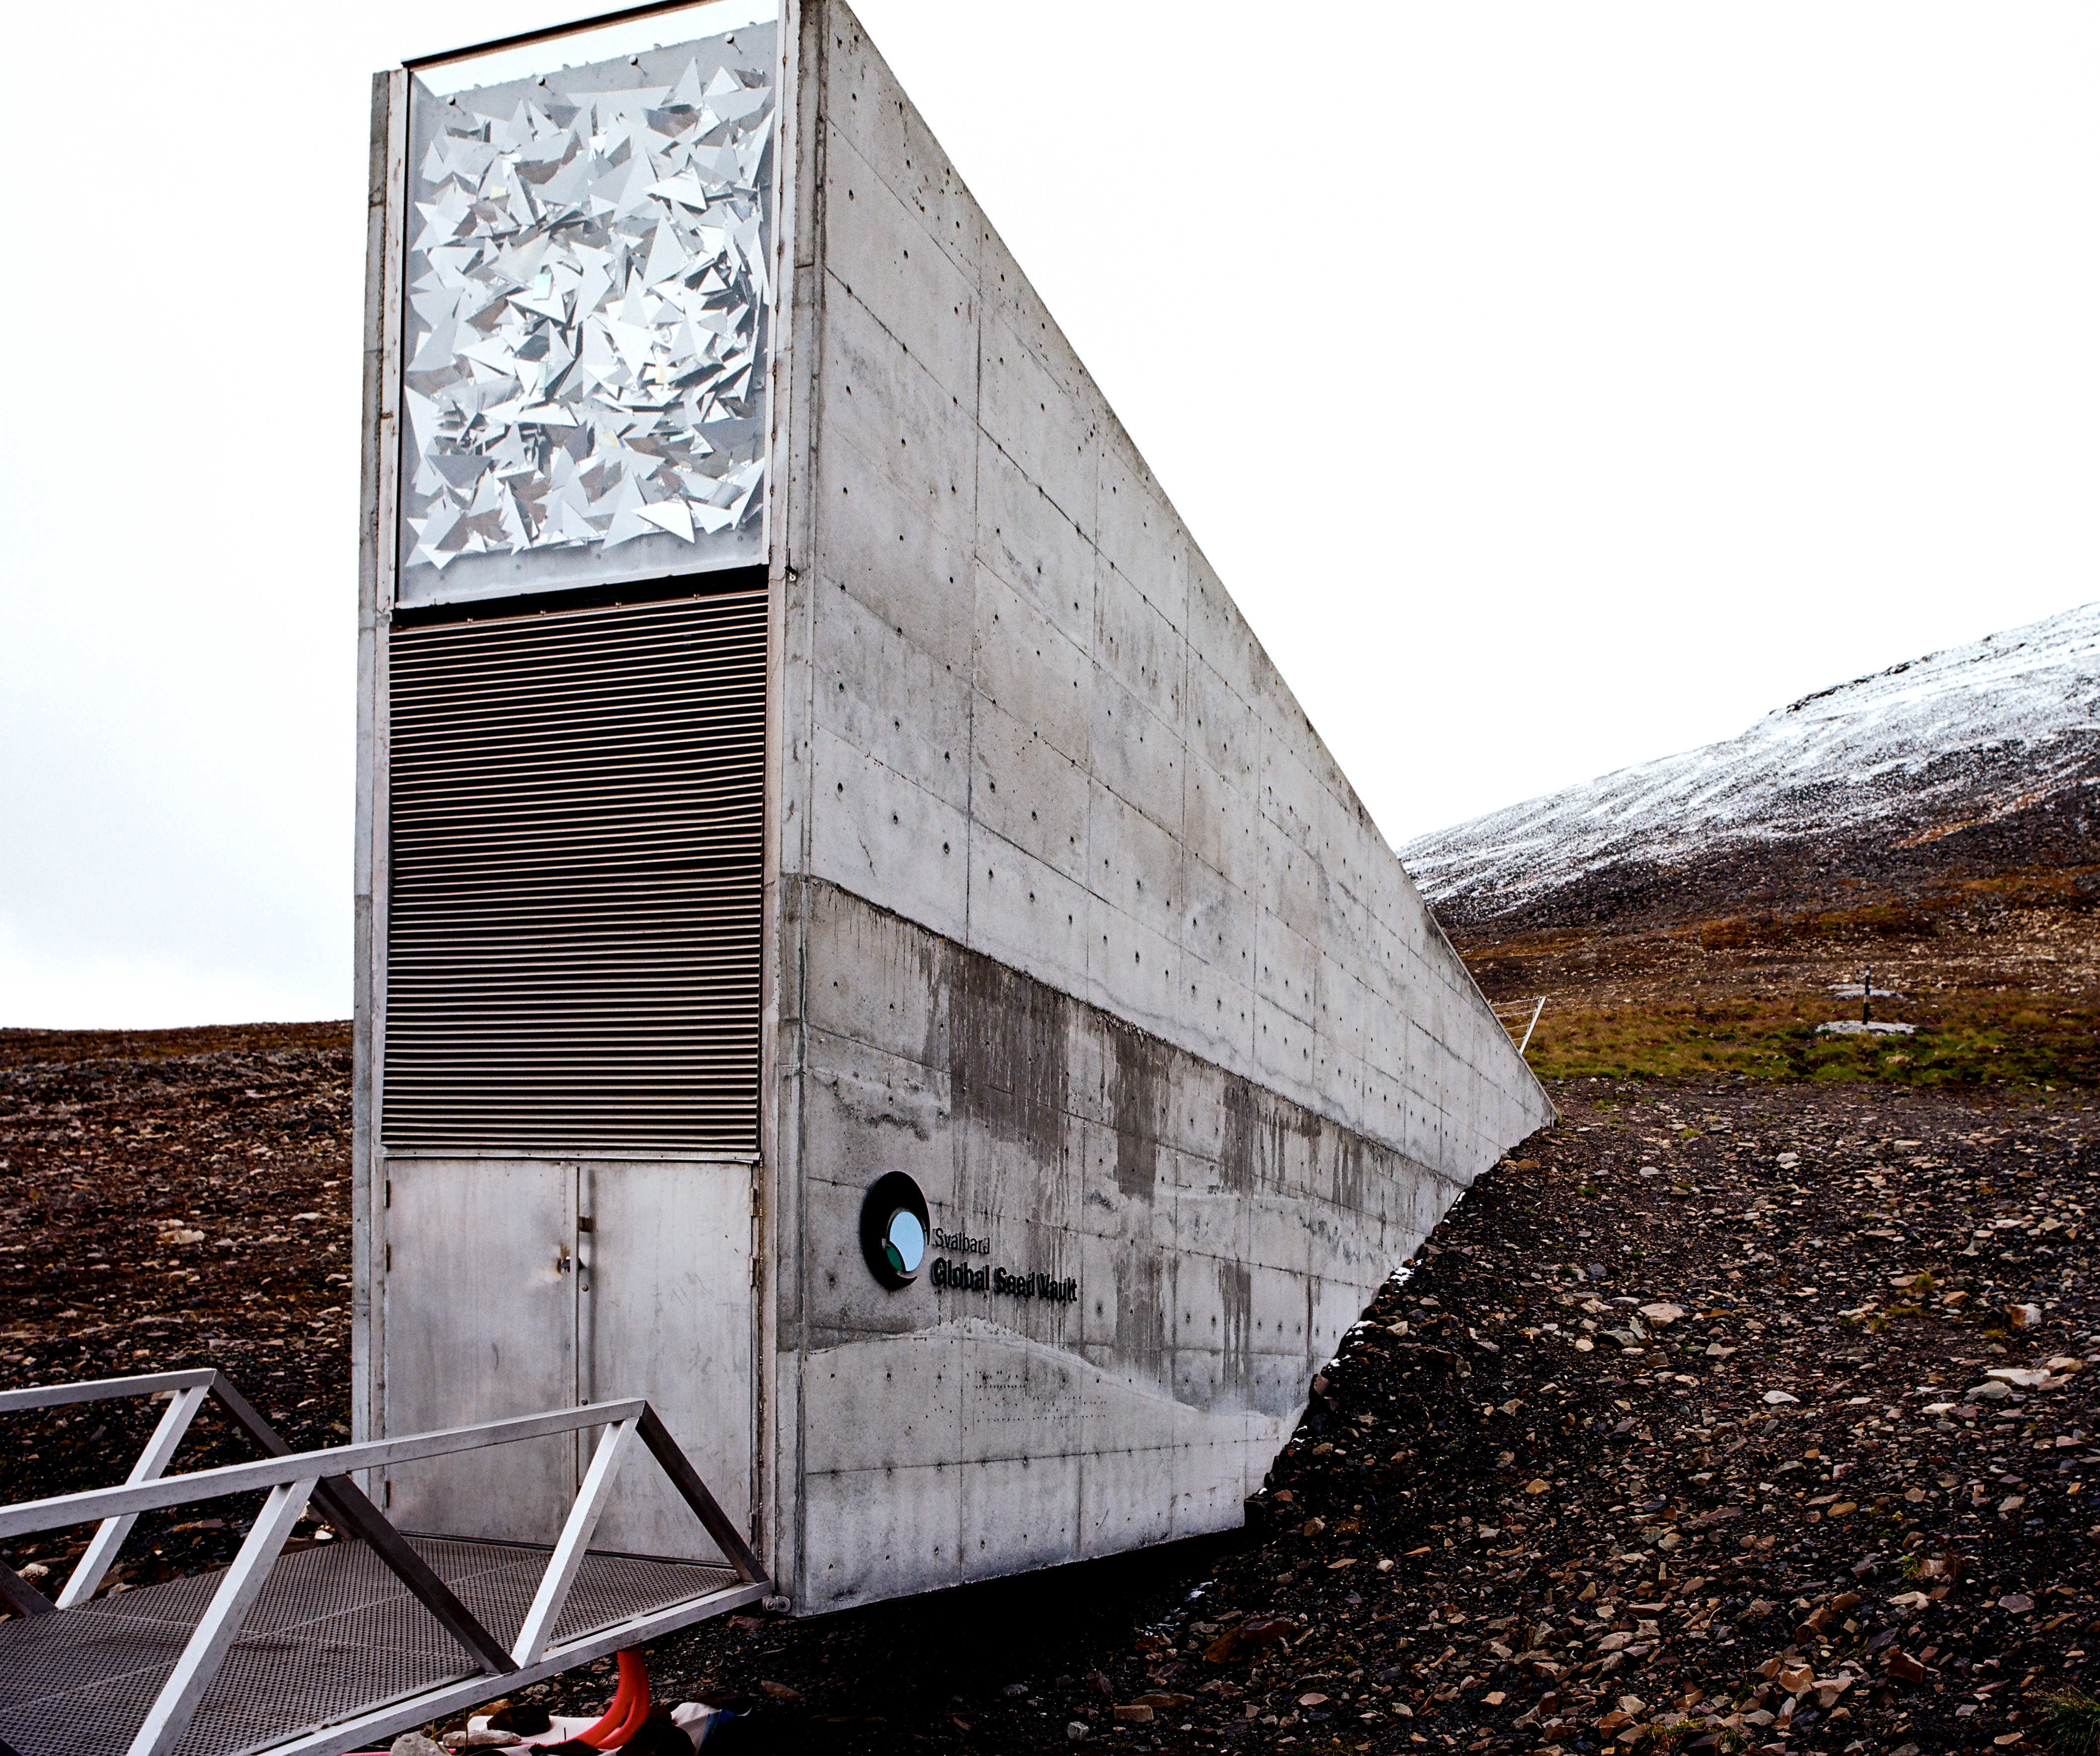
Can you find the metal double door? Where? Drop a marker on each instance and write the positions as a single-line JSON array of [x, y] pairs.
[[516, 1285]]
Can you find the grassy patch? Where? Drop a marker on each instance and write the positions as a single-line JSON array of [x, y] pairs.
[[2074, 1723], [1962, 1040]]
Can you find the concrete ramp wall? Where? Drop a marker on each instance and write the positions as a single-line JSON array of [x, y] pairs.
[[1076, 921]]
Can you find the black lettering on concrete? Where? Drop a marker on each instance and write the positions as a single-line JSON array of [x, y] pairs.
[[960, 1277]]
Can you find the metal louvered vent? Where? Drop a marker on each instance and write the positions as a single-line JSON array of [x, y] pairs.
[[572, 959]]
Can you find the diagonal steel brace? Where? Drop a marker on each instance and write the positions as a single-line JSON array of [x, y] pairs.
[[353, 1513], [110, 1533]]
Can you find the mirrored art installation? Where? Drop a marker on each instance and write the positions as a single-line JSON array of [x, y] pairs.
[[584, 345]]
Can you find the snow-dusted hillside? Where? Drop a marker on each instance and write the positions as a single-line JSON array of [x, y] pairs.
[[1952, 739]]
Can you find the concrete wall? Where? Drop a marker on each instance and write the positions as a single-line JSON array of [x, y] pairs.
[[1223, 1238], [1076, 919]]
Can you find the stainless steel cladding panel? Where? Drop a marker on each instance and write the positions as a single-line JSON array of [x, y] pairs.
[[573, 922], [518, 1285], [482, 1320], [663, 1309]]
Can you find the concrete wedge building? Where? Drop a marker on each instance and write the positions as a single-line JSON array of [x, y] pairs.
[[856, 941]]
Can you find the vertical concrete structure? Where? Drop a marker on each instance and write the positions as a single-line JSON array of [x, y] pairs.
[[1068, 917]]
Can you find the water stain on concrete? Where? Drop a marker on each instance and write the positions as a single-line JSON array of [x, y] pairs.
[[1236, 1296], [1255, 1154], [1137, 1079], [1009, 1050], [1141, 1337]]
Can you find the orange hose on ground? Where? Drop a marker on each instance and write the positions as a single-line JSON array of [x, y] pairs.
[[637, 1710], [630, 1708]]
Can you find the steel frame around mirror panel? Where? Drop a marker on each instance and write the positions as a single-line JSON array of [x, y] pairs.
[[588, 292]]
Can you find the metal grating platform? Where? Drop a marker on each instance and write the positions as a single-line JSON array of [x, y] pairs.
[[334, 1637], [319, 1651]]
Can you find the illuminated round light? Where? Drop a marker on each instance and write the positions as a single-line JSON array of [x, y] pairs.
[[894, 1225], [904, 1241]]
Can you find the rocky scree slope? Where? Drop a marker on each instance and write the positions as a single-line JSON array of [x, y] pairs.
[[1711, 1422], [1841, 1501]]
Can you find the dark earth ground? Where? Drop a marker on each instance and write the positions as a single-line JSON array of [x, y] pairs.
[[1533, 1520]]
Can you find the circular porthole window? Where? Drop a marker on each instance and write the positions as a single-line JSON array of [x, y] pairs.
[[893, 1227], [904, 1242]]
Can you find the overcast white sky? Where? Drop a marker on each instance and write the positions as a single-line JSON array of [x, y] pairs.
[[1555, 386]]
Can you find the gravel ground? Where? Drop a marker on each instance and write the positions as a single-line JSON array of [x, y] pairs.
[[1537, 1518], [171, 1198], [1680, 1433]]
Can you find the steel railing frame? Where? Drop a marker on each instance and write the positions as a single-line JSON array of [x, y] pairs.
[[291, 1478], [1499, 1006], [340, 1498]]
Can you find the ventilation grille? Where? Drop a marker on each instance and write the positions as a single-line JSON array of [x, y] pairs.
[[572, 959]]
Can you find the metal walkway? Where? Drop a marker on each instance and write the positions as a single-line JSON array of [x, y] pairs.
[[340, 1646]]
